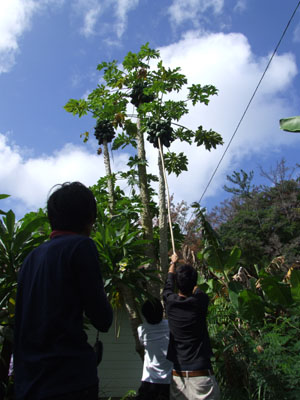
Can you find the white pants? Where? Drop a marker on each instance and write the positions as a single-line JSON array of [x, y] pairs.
[[194, 388]]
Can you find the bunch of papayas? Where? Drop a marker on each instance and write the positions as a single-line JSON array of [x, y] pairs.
[[137, 94], [104, 130], [160, 129]]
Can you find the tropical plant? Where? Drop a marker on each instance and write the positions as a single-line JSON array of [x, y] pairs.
[[17, 239]]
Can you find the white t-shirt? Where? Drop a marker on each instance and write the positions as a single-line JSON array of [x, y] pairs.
[[155, 339]]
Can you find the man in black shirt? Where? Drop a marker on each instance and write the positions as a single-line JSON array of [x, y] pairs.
[[58, 283], [189, 346]]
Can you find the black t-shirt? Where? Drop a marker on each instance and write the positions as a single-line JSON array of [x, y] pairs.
[[59, 282], [189, 346]]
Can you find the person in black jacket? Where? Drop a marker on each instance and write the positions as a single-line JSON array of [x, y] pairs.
[[60, 282], [189, 346]]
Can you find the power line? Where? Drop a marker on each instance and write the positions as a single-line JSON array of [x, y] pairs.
[[249, 103]]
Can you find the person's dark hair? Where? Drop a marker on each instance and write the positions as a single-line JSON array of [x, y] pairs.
[[186, 278], [71, 207], [152, 310]]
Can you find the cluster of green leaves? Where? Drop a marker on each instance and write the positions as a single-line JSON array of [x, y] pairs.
[[263, 221], [120, 243], [17, 239], [120, 247]]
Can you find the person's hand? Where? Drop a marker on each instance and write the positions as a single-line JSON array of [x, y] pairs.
[[174, 259]]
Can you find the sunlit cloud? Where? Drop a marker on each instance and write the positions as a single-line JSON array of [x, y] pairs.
[[95, 13], [30, 179], [296, 34], [15, 20], [241, 6]]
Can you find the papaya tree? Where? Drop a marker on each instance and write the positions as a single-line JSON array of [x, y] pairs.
[[104, 133], [143, 81]]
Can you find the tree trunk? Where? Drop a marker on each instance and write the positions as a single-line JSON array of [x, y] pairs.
[[110, 184], [134, 316], [163, 222], [146, 217]]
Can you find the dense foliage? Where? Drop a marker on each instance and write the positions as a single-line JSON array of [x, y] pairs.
[[253, 322], [264, 221]]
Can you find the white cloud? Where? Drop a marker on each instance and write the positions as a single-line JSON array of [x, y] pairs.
[[15, 19], [90, 10], [240, 6], [29, 180], [90, 20], [93, 11], [191, 10], [296, 34], [121, 11], [15, 16]]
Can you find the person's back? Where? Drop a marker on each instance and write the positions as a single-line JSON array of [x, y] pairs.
[[189, 347], [154, 336], [59, 282], [189, 341]]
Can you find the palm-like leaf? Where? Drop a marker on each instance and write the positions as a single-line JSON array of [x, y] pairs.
[[17, 239]]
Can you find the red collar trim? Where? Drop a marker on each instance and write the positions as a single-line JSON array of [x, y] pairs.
[[59, 233]]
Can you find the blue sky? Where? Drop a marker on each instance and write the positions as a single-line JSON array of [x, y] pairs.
[[49, 50]]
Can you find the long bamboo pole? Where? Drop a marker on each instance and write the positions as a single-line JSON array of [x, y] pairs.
[[168, 194]]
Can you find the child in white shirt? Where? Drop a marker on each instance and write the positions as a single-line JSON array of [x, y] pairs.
[[154, 336]]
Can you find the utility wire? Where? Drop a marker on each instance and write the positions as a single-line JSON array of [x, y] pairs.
[[249, 103]]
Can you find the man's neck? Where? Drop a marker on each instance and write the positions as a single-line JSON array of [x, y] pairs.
[[183, 295]]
